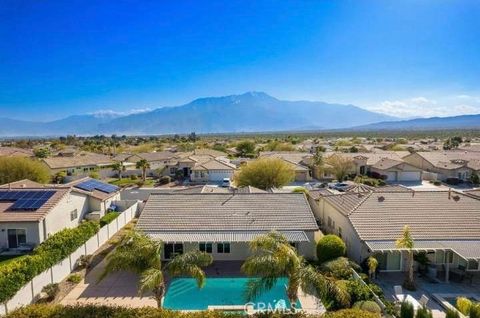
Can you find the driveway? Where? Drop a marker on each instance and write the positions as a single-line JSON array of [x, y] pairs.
[[118, 289]]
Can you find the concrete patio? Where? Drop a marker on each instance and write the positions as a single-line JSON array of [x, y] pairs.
[[427, 287]]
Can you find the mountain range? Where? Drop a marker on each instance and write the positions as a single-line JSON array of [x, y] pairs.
[[249, 112]]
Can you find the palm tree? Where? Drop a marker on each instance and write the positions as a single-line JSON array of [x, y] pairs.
[[372, 266], [140, 254], [406, 242], [144, 165], [273, 258], [118, 167]]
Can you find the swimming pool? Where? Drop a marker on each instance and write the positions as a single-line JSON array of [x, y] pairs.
[[183, 294]]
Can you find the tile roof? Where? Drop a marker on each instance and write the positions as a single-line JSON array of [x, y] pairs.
[[372, 158], [227, 212], [100, 195], [84, 159], [25, 183], [452, 159], [13, 152], [432, 215], [7, 215], [157, 156], [219, 236], [214, 164]]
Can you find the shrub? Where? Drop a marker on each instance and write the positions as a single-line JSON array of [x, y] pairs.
[[437, 183], [84, 261], [475, 311], [330, 247], [16, 168], [94, 175], [452, 313], [51, 290], [351, 313], [464, 304], [16, 274], [424, 312], [407, 310], [358, 291], [74, 278], [368, 305], [340, 268], [108, 218], [164, 180], [140, 183], [265, 173], [133, 177]]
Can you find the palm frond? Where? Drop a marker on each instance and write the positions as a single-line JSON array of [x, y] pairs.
[[264, 266], [150, 279], [190, 264], [257, 286]]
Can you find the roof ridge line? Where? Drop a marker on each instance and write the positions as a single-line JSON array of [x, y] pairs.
[[360, 203]]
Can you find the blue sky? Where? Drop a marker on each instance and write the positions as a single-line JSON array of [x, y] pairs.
[[405, 58]]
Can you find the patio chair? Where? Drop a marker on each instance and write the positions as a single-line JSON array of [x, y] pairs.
[[423, 300], [398, 292]]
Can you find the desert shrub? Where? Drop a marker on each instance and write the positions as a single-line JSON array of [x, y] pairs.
[[358, 291], [74, 278], [84, 261], [368, 305], [94, 175], [133, 177], [330, 247], [437, 183], [265, 173], [140, 183], [452, 313], [16, 168], [475, 311], [407, 310], [108, 218], [164, 180], [351, 313], [51, 290], [424, 312]]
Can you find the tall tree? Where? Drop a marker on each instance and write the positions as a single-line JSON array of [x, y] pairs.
[[340, 165], [119, 168], [273, 258], [17, 168], [140, 254], [245, 148], [265, 173], [406, 242], [143, 165]]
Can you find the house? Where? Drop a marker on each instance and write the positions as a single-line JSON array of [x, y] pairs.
[[444, 224], [15, 152], [224, 223], [300, 162], [389, 165], [212, 170], [447, 164], [30, 212], [81, 164]]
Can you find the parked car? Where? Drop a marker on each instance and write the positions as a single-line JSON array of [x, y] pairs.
[[339, 186], [226, 183]]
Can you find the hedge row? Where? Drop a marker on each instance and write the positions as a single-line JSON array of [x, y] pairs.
[[108, 218], [92, 311], [16, 274]]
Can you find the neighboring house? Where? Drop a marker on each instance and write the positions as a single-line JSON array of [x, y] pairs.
[[15, 152], [101, 196], [81, 164], [444, 224], [224, 224], [447, 164], [300, 162], [390, 165], [212, 170], [30, 212]]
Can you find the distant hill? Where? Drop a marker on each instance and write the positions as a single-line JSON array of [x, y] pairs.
[[249, 112], [433, 123]]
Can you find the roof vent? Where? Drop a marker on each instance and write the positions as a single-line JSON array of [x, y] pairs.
[[456, 198], [381, 198]]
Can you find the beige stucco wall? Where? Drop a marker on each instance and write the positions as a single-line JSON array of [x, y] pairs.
[[33, 232]]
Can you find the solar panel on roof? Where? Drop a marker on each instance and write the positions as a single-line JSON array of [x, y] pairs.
[[91, 185], [28, 200]]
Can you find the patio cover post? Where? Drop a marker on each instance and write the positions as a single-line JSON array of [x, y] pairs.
[[447, 272]]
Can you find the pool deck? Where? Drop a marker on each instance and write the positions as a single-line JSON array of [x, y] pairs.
[[426, 287]]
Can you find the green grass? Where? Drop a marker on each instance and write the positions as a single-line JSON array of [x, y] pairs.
[[126, 182], [5, 259]]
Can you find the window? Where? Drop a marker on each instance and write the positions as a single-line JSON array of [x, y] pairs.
[[205, 247], [173, 170], [473, 265], [73, 215], [16, 237], [171, 250], [223, 248], [197, 174]]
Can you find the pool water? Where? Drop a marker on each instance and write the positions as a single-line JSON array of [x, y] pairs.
[[183, 294]]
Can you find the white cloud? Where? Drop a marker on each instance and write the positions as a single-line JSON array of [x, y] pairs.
[[424, 107]]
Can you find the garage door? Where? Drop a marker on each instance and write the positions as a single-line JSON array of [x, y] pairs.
[[392, 176], [219, 175], [409, 176]]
